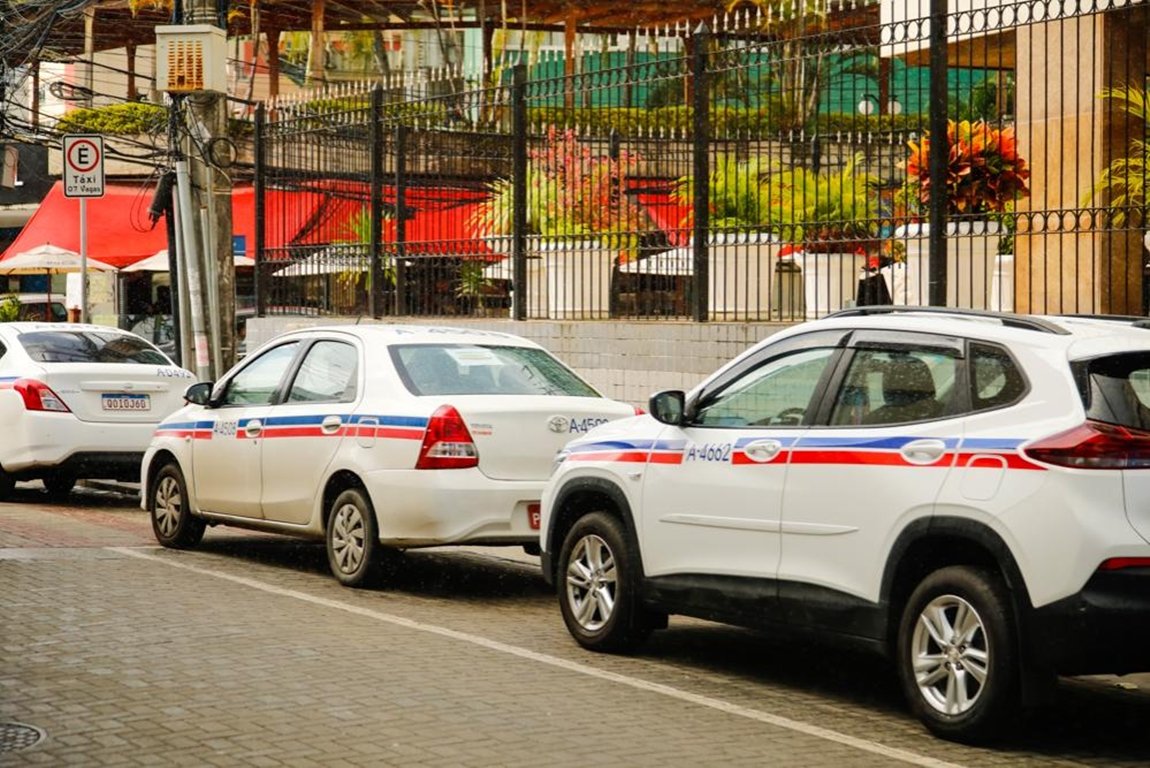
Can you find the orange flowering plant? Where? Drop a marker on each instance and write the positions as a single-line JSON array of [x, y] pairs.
[[985, 173]]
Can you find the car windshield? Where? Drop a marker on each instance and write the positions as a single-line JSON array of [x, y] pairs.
[[1116, 389], [464, 369], [89, 347]]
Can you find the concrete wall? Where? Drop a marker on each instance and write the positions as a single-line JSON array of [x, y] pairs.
[[624, 360]]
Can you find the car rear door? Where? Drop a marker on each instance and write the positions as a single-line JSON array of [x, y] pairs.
[[302, 433], [886, 440], [713, 488]]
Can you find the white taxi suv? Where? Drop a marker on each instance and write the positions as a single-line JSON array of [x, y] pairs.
[[967, 493], [79, 402], [375, 438]]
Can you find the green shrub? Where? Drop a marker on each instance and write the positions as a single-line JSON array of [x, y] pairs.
[[116, 119], [9, 308]]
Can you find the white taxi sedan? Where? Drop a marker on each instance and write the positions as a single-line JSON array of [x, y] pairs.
[[79, 402], [373, 437]]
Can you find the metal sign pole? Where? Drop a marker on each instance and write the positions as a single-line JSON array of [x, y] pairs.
[[83, 260]]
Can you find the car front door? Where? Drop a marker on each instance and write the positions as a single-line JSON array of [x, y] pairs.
[[713, 488], [227, 466], [886, 442], [303, 432]]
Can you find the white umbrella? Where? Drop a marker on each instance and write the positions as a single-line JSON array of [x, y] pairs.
[[48, 259], [158, 262], [326, 263]]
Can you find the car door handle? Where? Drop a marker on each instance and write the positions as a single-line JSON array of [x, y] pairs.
[[923, 451], [253, 428], [331, 425], [762, 451]]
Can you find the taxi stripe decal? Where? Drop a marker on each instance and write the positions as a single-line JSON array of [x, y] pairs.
[[976, 453], [359, 425]]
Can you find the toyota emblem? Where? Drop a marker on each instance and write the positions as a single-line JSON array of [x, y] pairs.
[[559, 424]]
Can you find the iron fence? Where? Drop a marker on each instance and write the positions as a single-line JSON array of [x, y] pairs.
[[774, 166]]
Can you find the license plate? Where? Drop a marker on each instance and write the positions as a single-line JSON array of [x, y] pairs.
[[126, 402], [533, 516]]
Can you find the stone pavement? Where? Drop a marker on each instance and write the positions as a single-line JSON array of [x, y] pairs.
[[246, 652]]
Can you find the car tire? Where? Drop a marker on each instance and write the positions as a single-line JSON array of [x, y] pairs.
[[598, 585], [59, 485], [353, 550], [173, 523], [957, 654]]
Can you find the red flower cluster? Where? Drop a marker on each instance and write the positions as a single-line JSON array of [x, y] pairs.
[[985, 172]]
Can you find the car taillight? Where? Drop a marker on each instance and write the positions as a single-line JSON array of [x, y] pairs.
[[1122, 563], [447, 443], [639, 411], [38, 396], [1094, 445]]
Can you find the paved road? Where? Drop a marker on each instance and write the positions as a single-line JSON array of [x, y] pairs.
[[246, 652]]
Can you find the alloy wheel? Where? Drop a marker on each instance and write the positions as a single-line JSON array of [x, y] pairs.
[[950, 655], [169, 504], [592, 584]]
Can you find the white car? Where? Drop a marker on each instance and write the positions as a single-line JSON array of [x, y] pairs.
[[79, 402], [967, 493], [375, 437]]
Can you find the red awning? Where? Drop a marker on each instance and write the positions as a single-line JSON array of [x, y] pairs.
[[119, 230]]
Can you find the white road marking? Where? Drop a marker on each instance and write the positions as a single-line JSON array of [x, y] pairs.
[[787, 723]]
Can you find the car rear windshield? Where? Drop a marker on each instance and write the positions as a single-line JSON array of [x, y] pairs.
[[1116, 388], [89, 347], [463, 369]]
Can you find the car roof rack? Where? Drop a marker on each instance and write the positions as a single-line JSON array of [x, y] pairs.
[[1135, 321], [1008, 319]]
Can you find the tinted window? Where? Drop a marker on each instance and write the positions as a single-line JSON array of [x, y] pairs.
[[257, 383], [42, 310], [464, 369], [894, 387], [995, 379], [327, 374], [777, 393], [89, 347], [1117, 389]]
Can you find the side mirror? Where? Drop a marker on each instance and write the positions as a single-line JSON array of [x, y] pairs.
[[668, 406], [199, 393]]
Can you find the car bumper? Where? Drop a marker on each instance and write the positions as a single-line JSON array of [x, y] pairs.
[[59, 442], [1103, 629], [431, 507]]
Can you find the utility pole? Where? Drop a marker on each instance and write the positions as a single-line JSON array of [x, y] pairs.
[[210, 151]]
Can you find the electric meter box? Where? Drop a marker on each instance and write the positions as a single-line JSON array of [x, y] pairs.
[[191, 58]]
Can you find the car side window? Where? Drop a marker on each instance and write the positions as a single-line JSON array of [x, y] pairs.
[[995, 379], [258, 381], [778, 393], [884, 386], [326, 375]]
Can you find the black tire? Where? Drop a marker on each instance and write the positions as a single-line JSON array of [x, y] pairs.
[[59, 485], [352, 534], [173, 523], [958, 654], [7, 485], [598, 585]]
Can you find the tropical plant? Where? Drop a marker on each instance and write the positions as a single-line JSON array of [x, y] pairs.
[[359, 233], [738, 196], [824, 210], [985, 173], [9, 308], [1123, 182], [129, 118], [572, 193]]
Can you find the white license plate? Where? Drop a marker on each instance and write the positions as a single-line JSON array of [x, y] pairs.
[[126, 402]]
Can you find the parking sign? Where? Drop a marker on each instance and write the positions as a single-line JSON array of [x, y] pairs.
[[83, 165]]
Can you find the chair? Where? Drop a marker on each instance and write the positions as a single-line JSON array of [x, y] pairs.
[[908, 393]]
